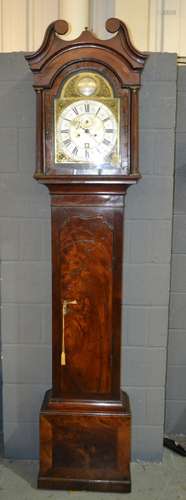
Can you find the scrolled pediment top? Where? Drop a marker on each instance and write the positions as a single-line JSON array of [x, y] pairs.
[[54, 43]]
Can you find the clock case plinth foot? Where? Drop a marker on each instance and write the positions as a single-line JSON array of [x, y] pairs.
[[85, 445]]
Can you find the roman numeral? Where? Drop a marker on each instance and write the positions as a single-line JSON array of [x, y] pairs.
[[67, 142], [65, 131], [75, 110], [105, 119], [109, 130], [86, 155], [75, 150], [67, 119], [87, 107], [106, 142], [98, 110]]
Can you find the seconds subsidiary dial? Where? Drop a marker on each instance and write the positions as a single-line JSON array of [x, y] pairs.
[[87, 131]]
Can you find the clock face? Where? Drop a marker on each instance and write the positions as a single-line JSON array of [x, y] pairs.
[[87, 131]]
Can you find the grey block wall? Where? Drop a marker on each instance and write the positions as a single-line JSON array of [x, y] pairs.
[[147, 258], [25, 261], [1, 380], [176, 368]]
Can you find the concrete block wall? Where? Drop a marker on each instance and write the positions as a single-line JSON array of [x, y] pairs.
[[147, 258], [176, 367], [1, 385], [25, 261]]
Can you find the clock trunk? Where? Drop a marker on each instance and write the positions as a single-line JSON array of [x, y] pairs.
[[87, 257]]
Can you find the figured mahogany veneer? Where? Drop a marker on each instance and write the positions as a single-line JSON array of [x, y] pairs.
[[85, 445], [85, 421], [87, 249]]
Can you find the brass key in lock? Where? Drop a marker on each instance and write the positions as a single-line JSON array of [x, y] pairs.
[[66, 303]]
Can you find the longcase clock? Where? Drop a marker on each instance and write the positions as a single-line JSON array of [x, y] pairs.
[[87, 155]]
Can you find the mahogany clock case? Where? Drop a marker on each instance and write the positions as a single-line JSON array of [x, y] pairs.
[[85, 420]]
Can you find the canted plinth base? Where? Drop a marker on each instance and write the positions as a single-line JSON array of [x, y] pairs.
[[85, 445]]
